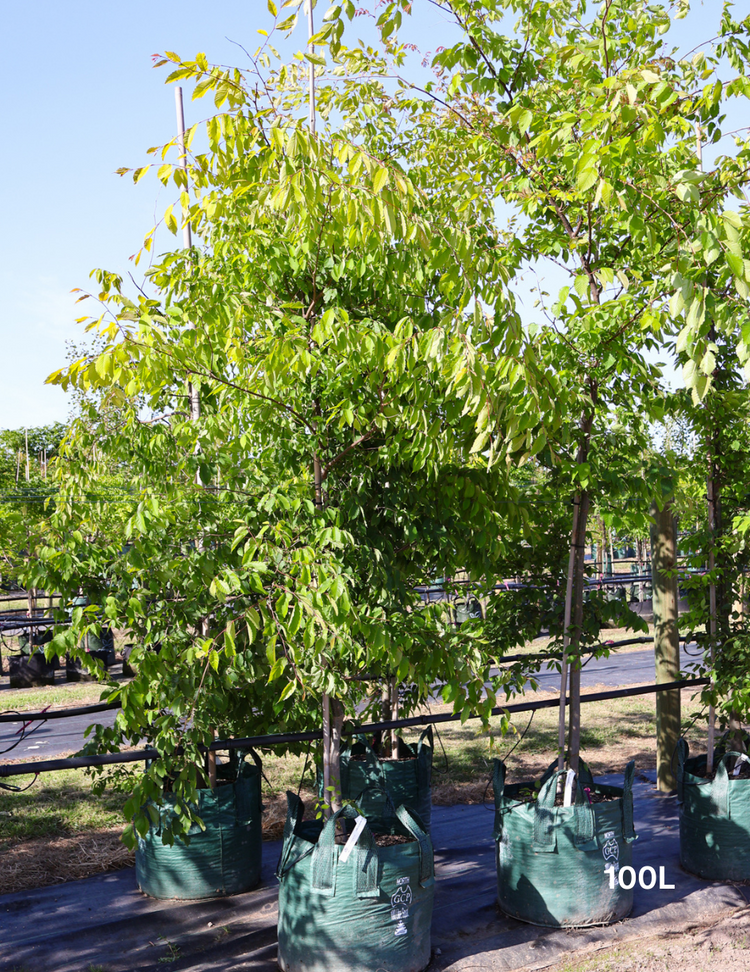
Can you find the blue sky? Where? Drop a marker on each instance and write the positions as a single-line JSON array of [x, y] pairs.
[[79, 99]]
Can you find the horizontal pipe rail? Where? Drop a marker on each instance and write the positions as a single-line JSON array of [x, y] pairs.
[[58, 713], [104, 706], [138, 755]]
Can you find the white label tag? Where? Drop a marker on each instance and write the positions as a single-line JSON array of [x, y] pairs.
[[359, 826], [568, 795], [742, 758]]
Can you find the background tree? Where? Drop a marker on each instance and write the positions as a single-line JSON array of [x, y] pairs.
[[583, 126]]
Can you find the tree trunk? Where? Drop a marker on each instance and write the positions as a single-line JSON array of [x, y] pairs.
[[712, 498], [394, 716], [385, 714], [574, 731], [573, 617], [666, 643]]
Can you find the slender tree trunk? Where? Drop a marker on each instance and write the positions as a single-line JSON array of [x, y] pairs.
[[641, 566], [566, 639], [574, 732], [735, 723], [394, 716], [666, 643], [711, 494], [385, 714], [573, 617]]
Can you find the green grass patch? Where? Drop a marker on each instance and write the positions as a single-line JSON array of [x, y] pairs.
[[59, 804], [64, 695]]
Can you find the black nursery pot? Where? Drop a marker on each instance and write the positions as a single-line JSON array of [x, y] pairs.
[[30, 670]]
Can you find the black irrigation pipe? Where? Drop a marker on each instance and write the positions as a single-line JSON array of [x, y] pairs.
[[139, 755], [11, 624], [58, 713]]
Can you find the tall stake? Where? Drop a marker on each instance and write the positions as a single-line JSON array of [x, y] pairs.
[[333, 717], [194, 397], [711, 500]]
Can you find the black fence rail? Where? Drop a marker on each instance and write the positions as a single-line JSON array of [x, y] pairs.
[[140, 755]]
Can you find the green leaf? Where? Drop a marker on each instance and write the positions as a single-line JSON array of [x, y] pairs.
[[277, 668], [380, 180]]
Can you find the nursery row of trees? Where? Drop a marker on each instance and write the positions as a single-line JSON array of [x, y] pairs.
[[333, 395]]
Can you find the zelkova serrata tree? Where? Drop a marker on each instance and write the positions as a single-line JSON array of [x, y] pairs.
[[342, 393]]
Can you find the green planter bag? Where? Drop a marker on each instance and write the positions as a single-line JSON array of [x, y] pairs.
[[551, 860], [368, 912], [377, 786], [225, 858], [714, 817]]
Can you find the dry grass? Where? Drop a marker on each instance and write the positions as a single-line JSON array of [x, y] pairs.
[[719, 945], [41, 862], [607, 634], [613, 732]]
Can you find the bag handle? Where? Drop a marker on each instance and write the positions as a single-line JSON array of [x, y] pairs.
[[413, 824], [380, 787], [425, 749], [683, 751], [498, 788], [628, 826], [720, 788], [426, 736], [295, 811], [584, 773], [498, 781], [544, 817], [364, 859]]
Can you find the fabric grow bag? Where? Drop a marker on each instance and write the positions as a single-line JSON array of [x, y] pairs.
[[377, 786], [28, 670], [551, 860], [714, 817], [225, 858], [372, 911]]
